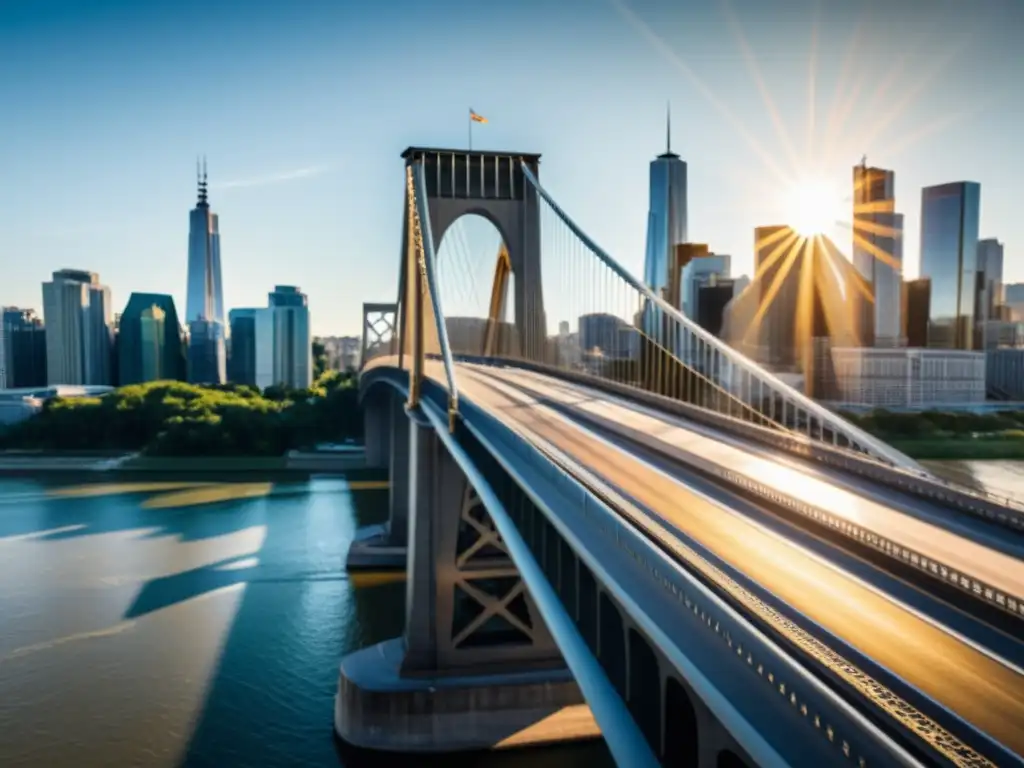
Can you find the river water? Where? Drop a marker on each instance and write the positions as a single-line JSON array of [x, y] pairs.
[[168, 624]]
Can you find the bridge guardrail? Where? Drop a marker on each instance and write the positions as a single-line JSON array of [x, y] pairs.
[[962, 499], [855, 738]]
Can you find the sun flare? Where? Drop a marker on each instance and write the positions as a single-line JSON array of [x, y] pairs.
[[813, 207]]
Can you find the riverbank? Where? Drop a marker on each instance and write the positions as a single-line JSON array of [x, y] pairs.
[[299, 462], [963, 448]]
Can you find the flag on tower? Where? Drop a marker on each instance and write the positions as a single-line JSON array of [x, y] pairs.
[[475, 117]]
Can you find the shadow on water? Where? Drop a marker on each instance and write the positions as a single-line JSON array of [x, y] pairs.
[[270, 700]]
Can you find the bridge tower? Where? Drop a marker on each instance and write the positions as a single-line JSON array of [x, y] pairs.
[[458, 183], [476, 666]]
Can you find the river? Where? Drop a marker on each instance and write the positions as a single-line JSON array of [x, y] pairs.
[[169, 624]]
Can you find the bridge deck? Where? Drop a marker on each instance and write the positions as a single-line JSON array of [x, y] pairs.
[[981, 689], [991, 562]]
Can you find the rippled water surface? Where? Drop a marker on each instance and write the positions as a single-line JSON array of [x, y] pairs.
[[167, 624]]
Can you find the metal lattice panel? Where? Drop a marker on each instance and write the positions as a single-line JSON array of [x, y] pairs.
[[380, 324], [491, 603]]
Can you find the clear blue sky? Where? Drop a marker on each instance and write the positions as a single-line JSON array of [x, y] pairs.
[[303, 108]]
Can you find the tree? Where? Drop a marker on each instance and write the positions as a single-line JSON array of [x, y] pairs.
[[319, 359]]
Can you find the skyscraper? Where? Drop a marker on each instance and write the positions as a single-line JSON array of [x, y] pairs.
[[24, 340], [293, 354], [78, 326], [949, 258], [878, 256], [149, 340], [204, 300], [666, 218], [988, 291]]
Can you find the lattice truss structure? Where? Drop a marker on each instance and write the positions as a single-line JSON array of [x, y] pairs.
[[380, 330], [492, 606]]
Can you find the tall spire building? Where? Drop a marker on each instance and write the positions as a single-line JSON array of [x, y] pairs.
[[204, 300], [666, 218]]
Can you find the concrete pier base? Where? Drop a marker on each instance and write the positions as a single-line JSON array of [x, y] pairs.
[[372, 550], [378, 709]]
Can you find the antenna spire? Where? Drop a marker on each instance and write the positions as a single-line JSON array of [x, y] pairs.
[[201, 181], [668, 128]]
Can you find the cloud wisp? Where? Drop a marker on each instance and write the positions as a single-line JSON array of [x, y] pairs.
[[276, 178]]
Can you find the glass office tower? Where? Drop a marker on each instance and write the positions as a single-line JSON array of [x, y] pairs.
[[204, 300], [949, 259], [878, 256], [666, 220], [149, 340]]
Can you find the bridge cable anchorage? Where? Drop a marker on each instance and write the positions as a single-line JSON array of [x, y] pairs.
[[606, 324], [618, 728]]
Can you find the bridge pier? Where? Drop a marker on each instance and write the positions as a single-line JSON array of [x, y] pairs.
[[477, 667], [384, 546]]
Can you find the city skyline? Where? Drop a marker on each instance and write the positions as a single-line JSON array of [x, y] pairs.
[[311, 193]]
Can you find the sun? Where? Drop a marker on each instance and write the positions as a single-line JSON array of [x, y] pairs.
[[813, 207]]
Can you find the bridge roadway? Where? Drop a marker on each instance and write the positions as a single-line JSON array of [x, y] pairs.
[[978, 686], [994, 561]]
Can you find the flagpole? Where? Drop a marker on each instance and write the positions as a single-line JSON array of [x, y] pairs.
[[471, 130]]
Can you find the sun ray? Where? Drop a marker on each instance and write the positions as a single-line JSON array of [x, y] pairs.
[[849, 59], [951, 51], [867, 227], [875, 251], [812, 86], [755, 73], [668, 53], [935, 126], [779, 281], [843, 113]]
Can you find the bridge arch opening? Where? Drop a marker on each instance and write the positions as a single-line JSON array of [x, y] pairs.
[[644, 686], [477, 285], [680, 727]]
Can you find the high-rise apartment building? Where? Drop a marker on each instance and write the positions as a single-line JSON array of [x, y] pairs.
[[877, 256], [78, 328], [24, 340], [204, 299], [149, 345], [666, 218], [949, 258]]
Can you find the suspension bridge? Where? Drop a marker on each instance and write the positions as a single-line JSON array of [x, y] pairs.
[[598, 502]]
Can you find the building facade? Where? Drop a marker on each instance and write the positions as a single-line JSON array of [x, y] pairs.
[[25, 347], [78, 329], [916, 298], [204, 298], [666, 217], [877, 257], [949, 259], [149, 342], [989, 300], [695, 273], [293, 339], [908, 378], [343, 351]]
